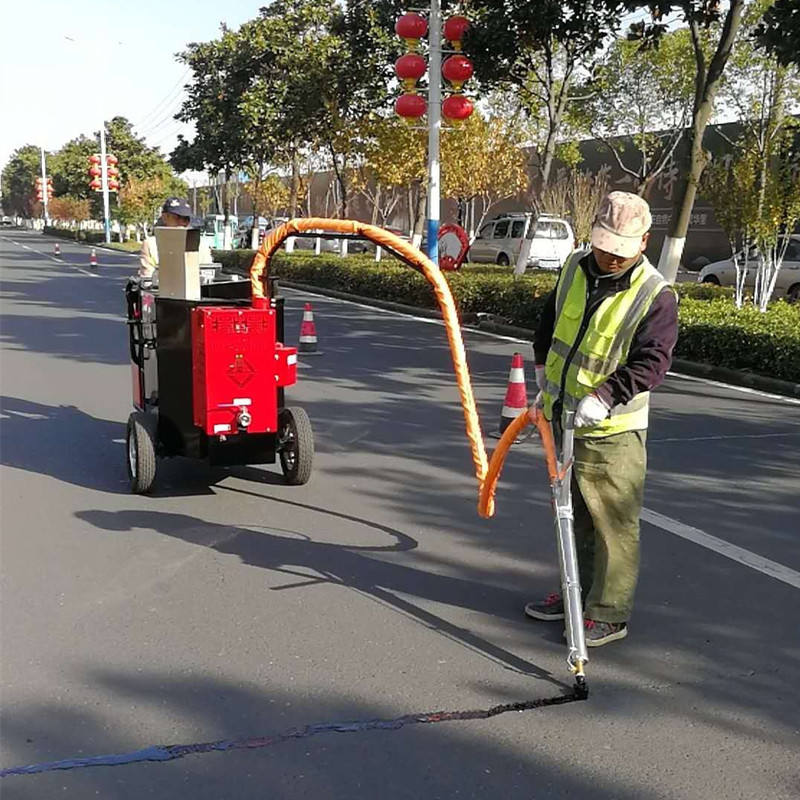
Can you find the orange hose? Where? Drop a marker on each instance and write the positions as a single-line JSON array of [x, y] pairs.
[[489, 486], [389, 241]]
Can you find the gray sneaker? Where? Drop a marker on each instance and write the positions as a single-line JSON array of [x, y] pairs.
[[551, 608]]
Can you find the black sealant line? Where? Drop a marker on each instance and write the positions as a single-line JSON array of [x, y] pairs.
[[173, 751]]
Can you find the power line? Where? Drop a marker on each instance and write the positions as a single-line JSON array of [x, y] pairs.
[[170, 95]]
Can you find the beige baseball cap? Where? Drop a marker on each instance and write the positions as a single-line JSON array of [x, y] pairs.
[[621, 222]]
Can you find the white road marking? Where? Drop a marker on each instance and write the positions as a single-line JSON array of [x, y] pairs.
[[764, 565], [745, 389], [57, 260], [721, 438]]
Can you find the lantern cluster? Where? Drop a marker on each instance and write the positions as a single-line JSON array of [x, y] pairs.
[[409, 68], [96, 173], [43, 190]]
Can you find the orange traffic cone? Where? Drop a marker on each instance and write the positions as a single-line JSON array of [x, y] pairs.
[[308, 333], [516, 397], [93, 258], [57, 249]]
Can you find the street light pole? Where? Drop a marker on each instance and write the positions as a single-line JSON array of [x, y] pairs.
[[434, 127], [44, 187], [104, 181]]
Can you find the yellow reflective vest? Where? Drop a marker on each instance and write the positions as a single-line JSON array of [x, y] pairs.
[[586, 349]]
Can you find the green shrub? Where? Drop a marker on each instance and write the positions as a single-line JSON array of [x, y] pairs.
[[90, 237], [712, 329], [716, 332]]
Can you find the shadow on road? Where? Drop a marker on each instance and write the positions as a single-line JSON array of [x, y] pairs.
[[300, 556]]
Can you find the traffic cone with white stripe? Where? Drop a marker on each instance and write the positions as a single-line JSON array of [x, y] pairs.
[[93, 258], [308, 333], [57, 250], [516, 397]]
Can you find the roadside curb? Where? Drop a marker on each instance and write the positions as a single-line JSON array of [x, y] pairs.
[[489, 324]]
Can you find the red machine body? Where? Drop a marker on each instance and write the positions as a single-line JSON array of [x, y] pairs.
[[238, 368]]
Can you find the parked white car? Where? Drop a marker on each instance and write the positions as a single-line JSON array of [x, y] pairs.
[[723, 273], [499, 241]]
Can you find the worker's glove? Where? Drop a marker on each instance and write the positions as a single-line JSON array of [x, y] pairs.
[[539, 376], [591, 410]]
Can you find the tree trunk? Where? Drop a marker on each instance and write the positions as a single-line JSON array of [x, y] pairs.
[[419, 216], [707, 83], [376, 204], [294, 188]]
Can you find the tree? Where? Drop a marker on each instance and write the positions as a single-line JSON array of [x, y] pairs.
[[19, 179], [576, 195], [212, 106], [638, 104], [779, 31], [141, 199], [539, 49], [757, 196], [698, 15], [69, 209], [483, 162], [70, 167], [395, 159]]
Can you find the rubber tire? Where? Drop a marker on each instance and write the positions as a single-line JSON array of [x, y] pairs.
[[502, 260], [711, 280], [141, 435], [793, 295], [300, 425]]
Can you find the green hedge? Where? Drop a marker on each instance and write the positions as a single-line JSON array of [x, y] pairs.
[[716, 332], [712, 329], [90, 237]]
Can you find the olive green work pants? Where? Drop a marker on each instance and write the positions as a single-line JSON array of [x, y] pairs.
[[607, 491]]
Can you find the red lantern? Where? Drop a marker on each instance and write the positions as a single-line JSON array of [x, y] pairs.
[[95, 184], [94, 171], [411, 27], [410, 106], [457, 107], [454, 30], [111, 159], [457, 69], [95, 159], [410, 68]]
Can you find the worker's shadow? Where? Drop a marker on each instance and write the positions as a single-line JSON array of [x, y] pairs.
[[310, 562]]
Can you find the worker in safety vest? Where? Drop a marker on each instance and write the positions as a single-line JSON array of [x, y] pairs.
[[174, 214], [604, 340]]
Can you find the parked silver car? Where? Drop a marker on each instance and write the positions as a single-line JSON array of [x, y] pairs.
[[723, 273], [499, 241]]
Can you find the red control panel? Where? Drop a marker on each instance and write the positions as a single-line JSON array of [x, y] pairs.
[[238, 368]]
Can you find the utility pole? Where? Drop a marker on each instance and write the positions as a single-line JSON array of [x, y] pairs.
[[104, 181], [434, 127], [44, 187]]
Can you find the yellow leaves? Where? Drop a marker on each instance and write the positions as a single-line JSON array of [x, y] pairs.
[[270, 194], [395, 153], [68, 208], [482, 157]]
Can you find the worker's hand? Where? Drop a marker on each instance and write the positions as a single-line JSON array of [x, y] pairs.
[[591, 410]]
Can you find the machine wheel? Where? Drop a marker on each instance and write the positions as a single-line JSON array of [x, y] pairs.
[[141, 448], [296, 446], [793, 295], [713, 280], [502, 260]]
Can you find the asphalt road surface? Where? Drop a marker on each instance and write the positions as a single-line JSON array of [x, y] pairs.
[[228, 606]]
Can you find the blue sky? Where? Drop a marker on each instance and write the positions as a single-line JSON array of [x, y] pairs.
[[67, 64]]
